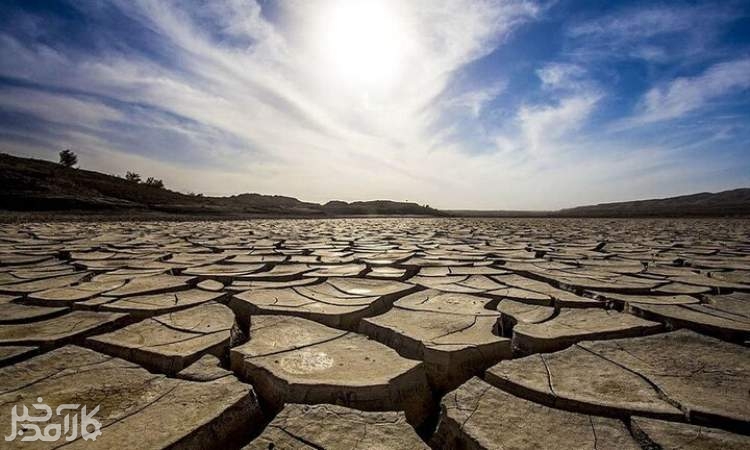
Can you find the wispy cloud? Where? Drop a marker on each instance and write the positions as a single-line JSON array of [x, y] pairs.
[[687, 94], [474, 101], [543, 127], [236, 95], [562, 76], [261, 85], [660, 32]]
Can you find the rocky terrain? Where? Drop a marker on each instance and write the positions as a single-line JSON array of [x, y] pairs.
[[382, 333]]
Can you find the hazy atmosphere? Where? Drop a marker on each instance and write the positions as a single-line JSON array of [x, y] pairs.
[[475, 105]]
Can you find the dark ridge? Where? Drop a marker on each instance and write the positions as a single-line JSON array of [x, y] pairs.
[[727, 203], [36, 186], [721, 204]]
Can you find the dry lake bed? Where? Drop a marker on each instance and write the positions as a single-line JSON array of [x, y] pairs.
[[380, 333]]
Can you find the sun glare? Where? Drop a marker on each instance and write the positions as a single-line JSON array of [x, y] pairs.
[[363, 42]]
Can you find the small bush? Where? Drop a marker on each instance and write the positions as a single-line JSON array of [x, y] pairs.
[[132, 176], [151, 181], [68, 158]]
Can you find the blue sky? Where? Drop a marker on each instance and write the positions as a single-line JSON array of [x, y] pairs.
[[475, 105]]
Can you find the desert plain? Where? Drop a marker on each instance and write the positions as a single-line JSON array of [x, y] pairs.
[[389, 333]]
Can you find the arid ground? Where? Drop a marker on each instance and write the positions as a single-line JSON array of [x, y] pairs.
[[383, 333]]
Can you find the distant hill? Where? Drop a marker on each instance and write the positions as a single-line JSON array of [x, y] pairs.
[[726, 203], [42, 187], [374, 207], [33, 185]]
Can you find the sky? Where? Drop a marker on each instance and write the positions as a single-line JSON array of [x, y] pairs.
[[513, 105]]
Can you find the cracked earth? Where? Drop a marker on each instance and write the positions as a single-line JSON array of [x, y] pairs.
[[383, 333]]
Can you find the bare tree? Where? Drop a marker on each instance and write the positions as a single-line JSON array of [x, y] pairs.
[[68, 158], [132, 176]]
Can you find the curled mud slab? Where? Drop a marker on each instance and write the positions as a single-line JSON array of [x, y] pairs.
[[452, 333], [339, 303], [289, 359], [137, 409], [662, 434], [141, 306], [13, 312], [151, 285], [682, 373], [709, 319], [170, 342], [337, 428], [58, 331], [573, 325], [43, 284], [480, 416]]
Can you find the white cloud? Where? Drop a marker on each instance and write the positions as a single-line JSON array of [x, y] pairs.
[[58, 108], [561, 76], [640, 23], [543, 126], [543, 131], [474, 101], [657, 33], [686, 94], [240, 103], [300, 126]]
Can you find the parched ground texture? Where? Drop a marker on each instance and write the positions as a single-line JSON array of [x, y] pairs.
[[383, 333]]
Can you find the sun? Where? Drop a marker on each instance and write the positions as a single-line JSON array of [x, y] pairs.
[[362, 42]]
